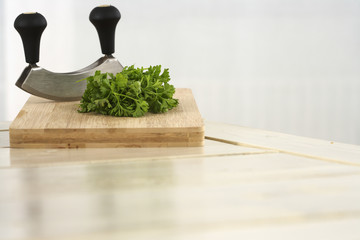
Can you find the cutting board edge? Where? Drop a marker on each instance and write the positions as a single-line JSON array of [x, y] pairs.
[[119, 130], [108, 145]]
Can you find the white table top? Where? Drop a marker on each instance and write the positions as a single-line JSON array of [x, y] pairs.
[[244, 183]]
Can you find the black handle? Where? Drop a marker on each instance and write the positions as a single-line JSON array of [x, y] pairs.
[[30, 27], [105, 19]]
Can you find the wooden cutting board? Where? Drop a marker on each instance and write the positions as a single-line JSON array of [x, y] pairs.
[[43, 123]]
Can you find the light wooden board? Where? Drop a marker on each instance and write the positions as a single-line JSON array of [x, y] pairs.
[[189, 199], [48, 124], [223, 190], [286, 143], [4, 126], [17, 157]]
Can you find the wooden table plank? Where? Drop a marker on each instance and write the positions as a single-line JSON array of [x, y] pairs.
[[173, 196], [302, 146], [54, 157], [242, 190], [330, 230], [4, 139], [4, 126]]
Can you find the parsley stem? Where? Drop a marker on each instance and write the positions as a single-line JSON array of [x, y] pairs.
[[123, 95]]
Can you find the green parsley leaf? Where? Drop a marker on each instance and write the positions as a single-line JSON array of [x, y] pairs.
[[130, 93]]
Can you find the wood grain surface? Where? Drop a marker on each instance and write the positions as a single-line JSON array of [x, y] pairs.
[[242, 184], [326, 150], [48, 124]]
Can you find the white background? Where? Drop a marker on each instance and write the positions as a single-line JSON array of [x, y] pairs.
[[284, 65]]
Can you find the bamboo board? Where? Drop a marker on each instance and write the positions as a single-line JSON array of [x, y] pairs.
[[43, 123]]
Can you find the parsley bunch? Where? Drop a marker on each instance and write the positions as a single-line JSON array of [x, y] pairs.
[[130, 93]]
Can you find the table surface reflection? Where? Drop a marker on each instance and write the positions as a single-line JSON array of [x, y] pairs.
[[244, 183]]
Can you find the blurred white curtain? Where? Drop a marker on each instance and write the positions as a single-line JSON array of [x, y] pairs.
[[283, 65], [2, 65]]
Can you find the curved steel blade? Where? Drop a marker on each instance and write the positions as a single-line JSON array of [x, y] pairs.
[[63, 86]]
